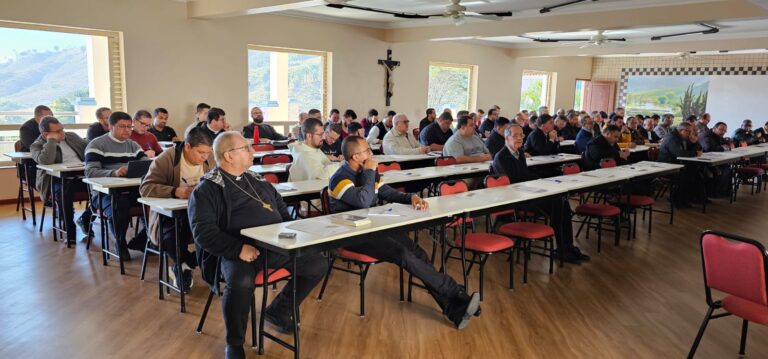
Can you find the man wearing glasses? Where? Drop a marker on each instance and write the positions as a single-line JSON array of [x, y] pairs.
[[108, 156], [399, 141], [145, 139], [309, 162], [691, 179]]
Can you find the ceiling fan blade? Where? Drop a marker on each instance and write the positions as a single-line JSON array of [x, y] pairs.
[[404, 15], [545, 10], [500, 13], [709, 30], [475, 15]]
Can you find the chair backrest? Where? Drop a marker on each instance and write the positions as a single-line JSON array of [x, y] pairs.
[[325, 201], [392, 166], [491, 181], [416, 132], [271, 178], [571, 169], [445, 161], [607, 163], [452, 187], [734, 265], [261, 147], [653, 154], [274, 159], [17, 146]]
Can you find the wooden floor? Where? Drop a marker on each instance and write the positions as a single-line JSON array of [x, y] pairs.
[[643, 299]]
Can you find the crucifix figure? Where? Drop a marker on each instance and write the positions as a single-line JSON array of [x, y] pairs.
[[389, 65]]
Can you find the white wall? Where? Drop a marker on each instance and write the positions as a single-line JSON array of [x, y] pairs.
[[732, 99]]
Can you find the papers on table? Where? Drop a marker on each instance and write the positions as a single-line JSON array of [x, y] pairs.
[[284, 187], [599, 174], [563, 179], [398, 173], [435, 154], [314, 226], [528, 189], [396, 210]]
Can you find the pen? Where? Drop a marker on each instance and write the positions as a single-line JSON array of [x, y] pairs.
[[185, 181]]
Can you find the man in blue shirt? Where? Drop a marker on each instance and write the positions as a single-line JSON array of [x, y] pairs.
[[438, 133]]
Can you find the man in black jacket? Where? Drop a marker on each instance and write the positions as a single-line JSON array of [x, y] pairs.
[[762, 133], [30, 130], [691, 179], [510, 161], [266, 131], [486, 127], [227, 200], [713, 140], [356, 185], [543, 140], [495, 142], [744, 135], [604, 147]]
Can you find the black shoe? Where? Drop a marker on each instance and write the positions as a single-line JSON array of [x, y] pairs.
[[570, 257], [234, 352], [125, 254], [138, 242], [581, 256], [461, 318], [82, 225], [479, 310], [173, 273], [283, 323]]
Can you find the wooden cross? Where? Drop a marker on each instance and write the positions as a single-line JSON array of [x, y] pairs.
[[389, 65]]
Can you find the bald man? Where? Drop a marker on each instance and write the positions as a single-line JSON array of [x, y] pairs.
[[266, 132], [399, 141]]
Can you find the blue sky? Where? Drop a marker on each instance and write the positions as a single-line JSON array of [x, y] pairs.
[[18, 40]]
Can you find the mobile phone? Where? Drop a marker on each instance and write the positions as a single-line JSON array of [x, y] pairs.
[[286, 235]]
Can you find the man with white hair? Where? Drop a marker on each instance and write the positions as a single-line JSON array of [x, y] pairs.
[[296, 129], [399, 141], [228, 199]]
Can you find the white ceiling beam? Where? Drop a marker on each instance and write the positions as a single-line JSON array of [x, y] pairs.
[[605, 20], [213, 9]]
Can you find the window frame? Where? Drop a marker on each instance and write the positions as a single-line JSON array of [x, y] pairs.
[[472, 88], [550, 90]]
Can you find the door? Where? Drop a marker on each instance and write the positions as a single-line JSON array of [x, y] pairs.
[[600, 96]]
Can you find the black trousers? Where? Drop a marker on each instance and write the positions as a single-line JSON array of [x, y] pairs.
[[397, 248], [185, 236], [691, 185], [67, 212], [118, 221], [240, 277]]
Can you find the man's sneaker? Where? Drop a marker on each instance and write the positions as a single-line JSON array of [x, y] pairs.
[[283, 323], [174, 275], [461, 318], [188, 281]]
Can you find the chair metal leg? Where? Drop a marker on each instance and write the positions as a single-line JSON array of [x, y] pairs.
[[363, 274], [331, 260], [205, 312], [743, 344], [254, 331], [511, 268], [700, 334]]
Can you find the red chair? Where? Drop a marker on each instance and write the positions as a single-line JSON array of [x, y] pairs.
[[445, 161], [738, 267], [275, 276], [607, 163], [599, 212], [491, 181], [362, 261], [480, 245], [453, 187], [392, 166], [275, 159], [630, 204], [271, 178], [751, 175], [262, 147]]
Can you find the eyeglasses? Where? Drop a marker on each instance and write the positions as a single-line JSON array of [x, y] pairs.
[[239, 148], [368, 150], [124, 127], [317, 134], [145, 124]]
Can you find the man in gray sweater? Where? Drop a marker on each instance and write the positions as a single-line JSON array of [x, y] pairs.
[[108, 156], [56, 146]]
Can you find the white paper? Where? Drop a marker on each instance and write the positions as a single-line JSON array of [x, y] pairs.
[[528, 189], [319, 227], [396, 210], [282, 187]]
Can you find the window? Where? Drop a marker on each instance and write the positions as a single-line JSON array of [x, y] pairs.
[[72, 71], [451, 86], [536, 89], [286, 82], [580, 95]]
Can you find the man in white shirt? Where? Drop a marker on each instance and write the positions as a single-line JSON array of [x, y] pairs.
[[399, 141], [465, 146], [309, 162], [377, 133]]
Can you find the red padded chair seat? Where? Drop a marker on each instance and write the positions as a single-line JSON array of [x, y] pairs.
[[486, 242], [750, 171], [746, 309], [274, 276], [527, 230], [597, 210], [635, 200], [458, 222], [508, 212], [347, 254]]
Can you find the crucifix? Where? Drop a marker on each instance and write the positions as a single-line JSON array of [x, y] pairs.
[[389, 65]]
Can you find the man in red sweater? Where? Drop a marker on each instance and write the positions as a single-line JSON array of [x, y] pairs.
[[145, 139]]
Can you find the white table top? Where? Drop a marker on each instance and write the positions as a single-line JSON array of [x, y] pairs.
[[639, 148], [260, 154], [18, 156], [551, 159], [276, 168], [164, 206], [57, 169], [567, 143], [404, 158], [104, 184]]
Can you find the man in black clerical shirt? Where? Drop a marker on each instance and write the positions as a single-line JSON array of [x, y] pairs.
[[495, 142], [228, 199]]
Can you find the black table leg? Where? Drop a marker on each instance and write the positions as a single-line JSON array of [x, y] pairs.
[[179, 271], [295, 307]]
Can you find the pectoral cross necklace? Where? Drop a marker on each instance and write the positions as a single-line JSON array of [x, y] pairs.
[[266, 205]]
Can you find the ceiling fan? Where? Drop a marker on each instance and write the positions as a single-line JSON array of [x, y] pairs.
[[598, 39], [454, 11]]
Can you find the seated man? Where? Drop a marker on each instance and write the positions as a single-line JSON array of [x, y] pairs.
[[56, 146], [201, 117], [646, 130], [543, 140], [228, 199], [217, 123], [664, 128], [585, 134], [510, 161], [713, 140], [142, 121], [744, 135], [564, 129], [377, 133], [356, 185], [309, 162], [437, 133], [30, 130], [605, 146], [174, 174], [295, 131], [427, 120], [356, 129], [691, 178], [100, 127], [265, 131], [370, 121], [400, 141], [495, 142], [464, 145], [486, 127], [108, 156], [331, 145], [160, 127], [762, 133]]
